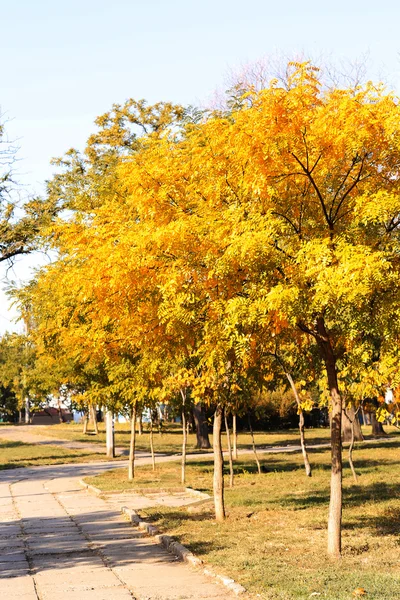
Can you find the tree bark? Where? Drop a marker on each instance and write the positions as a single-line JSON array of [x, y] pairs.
[[184, 438], [85, 422], [351, 451], [377, 427], [335, 505], [200, 420], [307, 465], [218, 479], [132, 445], [94, 419], [153, 460], [110, 445], [27, 412], [228, 440], [59, 409], [140, 421], [234, 435], [253, 443], [351, 425]]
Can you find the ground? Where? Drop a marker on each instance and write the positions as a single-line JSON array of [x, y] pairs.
[[58, 541], [273, 541]]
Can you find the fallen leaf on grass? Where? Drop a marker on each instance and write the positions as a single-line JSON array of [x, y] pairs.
[[359, 592]]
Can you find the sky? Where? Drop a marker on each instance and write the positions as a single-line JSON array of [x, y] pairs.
[[62, 64]]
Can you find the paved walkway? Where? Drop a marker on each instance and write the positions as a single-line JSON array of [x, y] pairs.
[[59, 542], [32, 434]]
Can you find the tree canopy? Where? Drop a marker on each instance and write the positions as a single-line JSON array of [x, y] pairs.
[[224, 245]]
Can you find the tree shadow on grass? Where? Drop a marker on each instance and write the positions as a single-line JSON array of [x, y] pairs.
[[353, 496], [385, 524], [10, 444]]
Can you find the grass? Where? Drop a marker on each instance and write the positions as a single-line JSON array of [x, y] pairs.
[[170, 441], [274, 539], [18, 454]]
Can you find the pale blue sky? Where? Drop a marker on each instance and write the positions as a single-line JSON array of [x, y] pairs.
[[62, 64]]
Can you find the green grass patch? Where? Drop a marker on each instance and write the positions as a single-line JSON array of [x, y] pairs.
[[274, 539], [18, 454]]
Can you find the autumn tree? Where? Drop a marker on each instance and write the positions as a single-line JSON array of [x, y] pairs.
[[194, 237], [311, 192]]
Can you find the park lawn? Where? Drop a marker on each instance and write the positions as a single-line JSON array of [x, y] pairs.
[[18, 454], [274, 538], [170, 441]]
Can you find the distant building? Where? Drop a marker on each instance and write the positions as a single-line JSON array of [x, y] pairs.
[[51, 416]]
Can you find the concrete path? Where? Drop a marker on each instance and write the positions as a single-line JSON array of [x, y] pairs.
[[59, 542]]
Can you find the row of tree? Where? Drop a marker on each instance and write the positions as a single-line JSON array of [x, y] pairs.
[[210, 255]]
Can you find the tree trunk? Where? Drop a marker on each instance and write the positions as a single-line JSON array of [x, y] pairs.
[[184, 438], [218, 480], [131, 465], [94, 419], [110, 440], [377, 427], [351, 451], [234, 435], [253, 443], [20, 416], [307, 465], [153, 460], [140, 421], [59, 409], [85, 422], [335, 505], [200, 420], [27, 412], [350, 425], [228, 440]]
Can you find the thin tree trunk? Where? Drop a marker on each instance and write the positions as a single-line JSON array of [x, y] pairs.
[[351, 453], [94, 419], [110, 440], [153, 460], [132, 445], [228, 440], [253, 444], [20, 416], [85, 422], [59, 409], [335, 504], [307, 465], [140, 421], [184, 438], [27, 412], [234, 435], [218, 479]]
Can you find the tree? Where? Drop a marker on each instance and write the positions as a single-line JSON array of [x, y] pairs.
[[296, 222], [321, 194], [22, 221]]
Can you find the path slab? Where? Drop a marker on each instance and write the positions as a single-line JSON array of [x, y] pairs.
[[80, 547]]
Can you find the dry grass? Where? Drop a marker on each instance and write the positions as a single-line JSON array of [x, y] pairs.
[[274, 538]]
